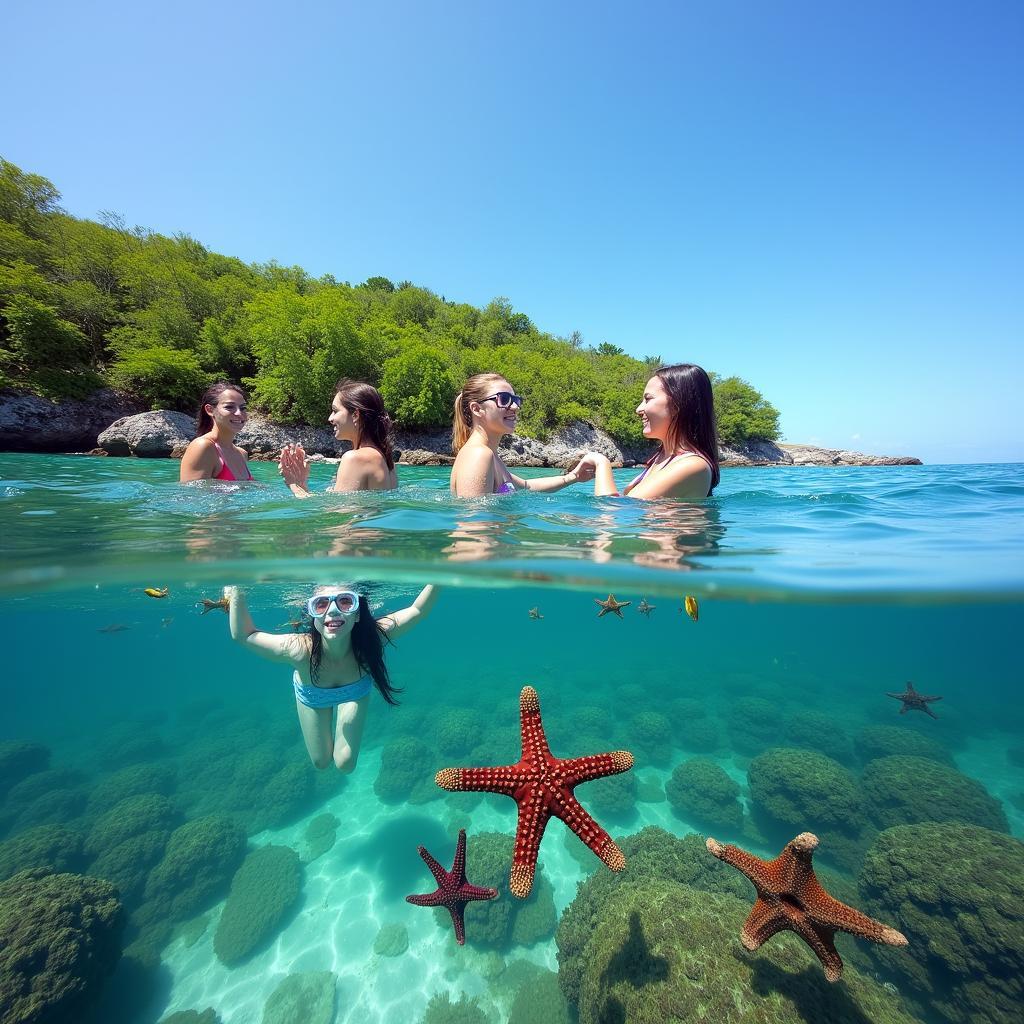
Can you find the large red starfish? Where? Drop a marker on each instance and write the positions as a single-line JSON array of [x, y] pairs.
[[542, 785], [789, 896], [453, 891]]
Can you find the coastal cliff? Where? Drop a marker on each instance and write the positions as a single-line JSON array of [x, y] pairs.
[[109, 424]]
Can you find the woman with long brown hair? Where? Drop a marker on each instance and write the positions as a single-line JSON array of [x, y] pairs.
[[213, 454], [359, 417], [486, 409], [677, 410]]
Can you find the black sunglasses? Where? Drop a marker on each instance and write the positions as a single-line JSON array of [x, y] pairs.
[[505, 399]]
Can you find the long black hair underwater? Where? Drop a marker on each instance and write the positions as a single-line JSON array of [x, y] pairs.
[[368, 641]]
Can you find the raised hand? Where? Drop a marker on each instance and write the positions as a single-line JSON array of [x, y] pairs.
[[587, 466], [294, 466]]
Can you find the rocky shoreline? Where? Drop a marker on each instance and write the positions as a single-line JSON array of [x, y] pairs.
[[110, 424]]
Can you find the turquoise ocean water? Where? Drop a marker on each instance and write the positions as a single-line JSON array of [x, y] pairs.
[[140, 745]]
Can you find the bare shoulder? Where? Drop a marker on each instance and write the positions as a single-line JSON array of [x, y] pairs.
[[296, 646], [367, 457], [475, 457]]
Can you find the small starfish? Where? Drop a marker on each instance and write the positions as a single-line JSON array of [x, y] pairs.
[[690, 602], [914, 701], [535, 613], [542, 786], [790, 898], [292, 624], [644, 608], [224, 603], [611, 605], [453, 891]]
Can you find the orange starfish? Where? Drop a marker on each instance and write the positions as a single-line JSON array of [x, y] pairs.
[[542, 785], [790, 897], [611, 605]]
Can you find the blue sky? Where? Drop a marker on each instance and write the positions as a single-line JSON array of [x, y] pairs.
[[822, 198]]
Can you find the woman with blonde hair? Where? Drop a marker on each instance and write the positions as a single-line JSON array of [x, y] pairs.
[[359, 417], [486, 409]]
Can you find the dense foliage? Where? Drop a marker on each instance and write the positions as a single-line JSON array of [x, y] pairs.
[[83, 304]]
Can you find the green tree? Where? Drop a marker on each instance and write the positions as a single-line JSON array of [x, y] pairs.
[[379, 284], [743, 413], [417, 387], [166, 378]]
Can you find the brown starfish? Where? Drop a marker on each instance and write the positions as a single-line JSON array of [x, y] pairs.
[[644, 608], [224, 603], [453, 892], [611, 605], [790, 897], [535, 613], [914, 701], [542, 786]]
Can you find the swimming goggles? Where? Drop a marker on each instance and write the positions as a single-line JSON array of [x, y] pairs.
[[505, 399], [345, 601]]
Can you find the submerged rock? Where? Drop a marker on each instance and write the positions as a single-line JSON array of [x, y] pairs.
[[306, 997]]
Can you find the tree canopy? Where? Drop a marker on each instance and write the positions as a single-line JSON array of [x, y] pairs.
[[87, 304]]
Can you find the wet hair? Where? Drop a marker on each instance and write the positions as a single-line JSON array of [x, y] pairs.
[[474, 390], [692, 405], [204, 421], [368, 641], [374, 422]]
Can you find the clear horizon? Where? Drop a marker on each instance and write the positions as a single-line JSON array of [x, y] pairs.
[[823, 202]]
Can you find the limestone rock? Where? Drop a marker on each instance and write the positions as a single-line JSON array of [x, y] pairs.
[[808, 455], [264, 440], [29, 423], [148, 435]]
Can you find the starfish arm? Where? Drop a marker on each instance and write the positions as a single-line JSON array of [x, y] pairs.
[[459, 864], [895, 696], [822, 943], [458, 922], [477, 892], [595, 766], [825, 911], [439, 873], [531, 728], [500, 779], [588, 830], [427, 899], [761, 924], [930, 699], [753, 867], [533, 818], [928, 711]]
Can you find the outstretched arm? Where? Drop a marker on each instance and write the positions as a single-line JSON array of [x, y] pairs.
[[396, 623], [583, 470], [276, 647]]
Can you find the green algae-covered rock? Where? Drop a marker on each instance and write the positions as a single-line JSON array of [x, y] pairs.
[[265, 888], [754, 724], [907, 790], [207, 1016], [306, 997], [319, 837], [19, 759], [46, 846], [875, 741], [134, 816], [392, 940], [406, 774], [135, 780], [659, 951], [443, 1010], [701, 790], [540, 1001], [957, 892], [60, 938], [614, 796], [794, 791], [649, 738], [815, 730]]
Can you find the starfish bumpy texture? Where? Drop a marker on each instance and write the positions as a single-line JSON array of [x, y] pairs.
[[542, 786], [790, 897], [453, 891], [611, 605], [914, 701]]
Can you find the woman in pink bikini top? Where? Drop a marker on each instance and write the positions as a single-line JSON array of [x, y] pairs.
[[678, 410], [213, 454]]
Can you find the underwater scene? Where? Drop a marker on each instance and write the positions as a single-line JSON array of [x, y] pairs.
[[616, 718]]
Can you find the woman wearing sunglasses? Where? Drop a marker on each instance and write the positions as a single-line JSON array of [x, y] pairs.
[[334, 665], [486, 409], [359, 417]]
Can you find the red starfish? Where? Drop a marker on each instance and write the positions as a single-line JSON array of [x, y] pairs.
[[542, 785], [914, 701], [789, 896], [453, 891]]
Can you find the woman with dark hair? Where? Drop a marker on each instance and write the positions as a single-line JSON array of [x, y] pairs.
[[358, 416], [677, 410], [478, 427], [213, 454], [335, 664]]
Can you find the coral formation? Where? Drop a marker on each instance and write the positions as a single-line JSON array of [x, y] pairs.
[[147, 812], [613, 797], [19, 759], [207, 1016], [46, 846], [135, 780], [874, 741], [457, 731], [392, 940], [957, 891], [814, 730], [265, 888], [701, 791], [306, 997], [60, 938], [540, 1001], [907, 790], [650, 737], [319, 837], [441, 1010], [754, 725], [404, 774]]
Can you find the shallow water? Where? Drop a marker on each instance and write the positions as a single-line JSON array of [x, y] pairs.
[[819, 591]]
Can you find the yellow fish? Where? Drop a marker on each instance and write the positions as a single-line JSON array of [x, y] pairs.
[[154, 592], [223, 603], [691, 607]]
